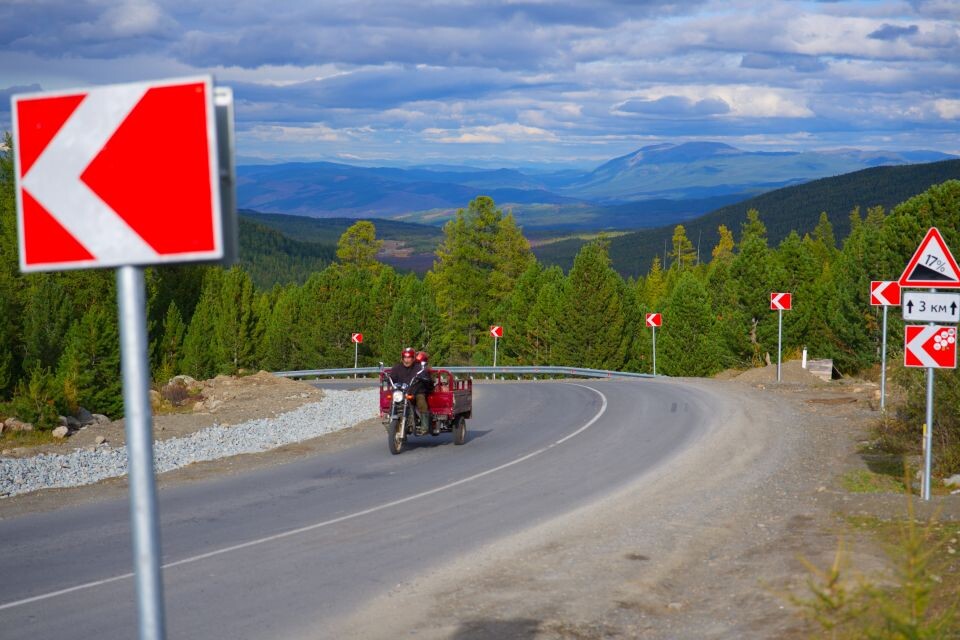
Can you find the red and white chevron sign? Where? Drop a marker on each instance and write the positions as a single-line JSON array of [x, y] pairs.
[[885, 293], [930, 346], [781, 301], [654, 319], [117, 175]]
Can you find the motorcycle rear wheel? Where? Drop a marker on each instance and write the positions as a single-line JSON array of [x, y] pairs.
[[460, 430]]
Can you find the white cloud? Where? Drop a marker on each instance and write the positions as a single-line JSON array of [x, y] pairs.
[[742, 100], [947, 109], [494, 134], [287, 133]]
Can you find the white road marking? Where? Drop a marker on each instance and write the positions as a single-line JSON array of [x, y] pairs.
[[325, 523]]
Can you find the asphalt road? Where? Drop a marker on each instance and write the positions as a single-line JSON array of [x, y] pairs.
[[284, 551]]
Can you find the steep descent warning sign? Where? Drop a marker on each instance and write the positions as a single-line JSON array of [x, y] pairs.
[[932, 265]]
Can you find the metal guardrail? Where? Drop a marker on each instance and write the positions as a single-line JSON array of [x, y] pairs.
[[577, 372]]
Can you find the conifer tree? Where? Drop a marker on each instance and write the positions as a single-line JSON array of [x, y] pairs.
[[592, 323], [687, 345], [541, 327], [654, 286], [413, 322], [89, 370], [725, 245], [682, 253], [171, 344], [200, 352], [482, 255], [283, 335], [234, 322], [358, 246], [11, 284]]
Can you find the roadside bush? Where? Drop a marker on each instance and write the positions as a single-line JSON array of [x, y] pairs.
[[946, 414], [36, 399], [918, 606]]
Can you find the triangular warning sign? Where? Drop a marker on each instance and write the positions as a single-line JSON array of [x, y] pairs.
[[932, 265]]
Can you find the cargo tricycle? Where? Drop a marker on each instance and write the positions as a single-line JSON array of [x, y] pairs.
[[450, 403]]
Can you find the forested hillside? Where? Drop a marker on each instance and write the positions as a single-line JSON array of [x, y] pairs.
[[271, 257], [795, 208], [59, 331]]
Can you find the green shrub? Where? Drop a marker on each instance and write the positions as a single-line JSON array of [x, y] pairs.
[[36, 399]]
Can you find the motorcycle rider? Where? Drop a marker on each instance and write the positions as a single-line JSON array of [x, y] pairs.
[[417, 378]]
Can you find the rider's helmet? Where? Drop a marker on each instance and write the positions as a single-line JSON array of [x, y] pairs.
[[422, 357], [408, 352]]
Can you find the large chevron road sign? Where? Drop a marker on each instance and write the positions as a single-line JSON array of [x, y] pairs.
[[118, 175]]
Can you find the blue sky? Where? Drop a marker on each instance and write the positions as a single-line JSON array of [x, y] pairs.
[[517, 83]]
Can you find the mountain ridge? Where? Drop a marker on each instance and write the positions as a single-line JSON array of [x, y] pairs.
[[623, 189]]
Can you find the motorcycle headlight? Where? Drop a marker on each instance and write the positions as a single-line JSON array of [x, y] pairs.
[[398, 396]]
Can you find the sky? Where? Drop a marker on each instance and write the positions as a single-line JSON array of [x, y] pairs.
[[517, 83]]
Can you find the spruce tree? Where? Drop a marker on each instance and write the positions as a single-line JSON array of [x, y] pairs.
[[482, 255], [541, 332], [234, 322], [687, 344], [89, 370], [170, 344], [592, 323]]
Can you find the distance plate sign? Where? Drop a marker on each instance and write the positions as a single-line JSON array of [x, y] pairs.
[[925, 306]]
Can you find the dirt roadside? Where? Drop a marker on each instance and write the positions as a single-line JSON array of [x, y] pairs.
[[709, 548]]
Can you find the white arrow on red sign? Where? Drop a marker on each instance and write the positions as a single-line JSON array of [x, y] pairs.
[[654, 319], [117, 175], [781, 301], [930, 346], [496, 331], [356, 338], [885, 293]]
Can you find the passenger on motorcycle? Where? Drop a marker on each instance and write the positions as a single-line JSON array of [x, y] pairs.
[[414, 372]]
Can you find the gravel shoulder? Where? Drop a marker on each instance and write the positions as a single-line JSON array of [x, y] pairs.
[[226, 401]]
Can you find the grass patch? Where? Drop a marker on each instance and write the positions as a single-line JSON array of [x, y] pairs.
[[866, 481], [922, 599], [33, 438]]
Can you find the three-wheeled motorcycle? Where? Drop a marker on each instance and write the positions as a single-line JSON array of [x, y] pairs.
[[450, 402]]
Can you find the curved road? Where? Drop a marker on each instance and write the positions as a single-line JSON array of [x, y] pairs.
[[284, 551]]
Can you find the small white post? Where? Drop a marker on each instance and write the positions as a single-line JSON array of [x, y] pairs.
[[803, 362]]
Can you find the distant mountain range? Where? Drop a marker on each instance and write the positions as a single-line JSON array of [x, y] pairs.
[[268, 247], [652, 186]]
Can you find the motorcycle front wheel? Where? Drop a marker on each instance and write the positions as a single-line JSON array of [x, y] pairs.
[[394, 438]]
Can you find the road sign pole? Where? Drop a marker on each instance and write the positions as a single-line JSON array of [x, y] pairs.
[[356, 353], [495, 340], [654, 351], [779, 340], [883, 363], [928, 434], [928, 439], [144, 520]]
